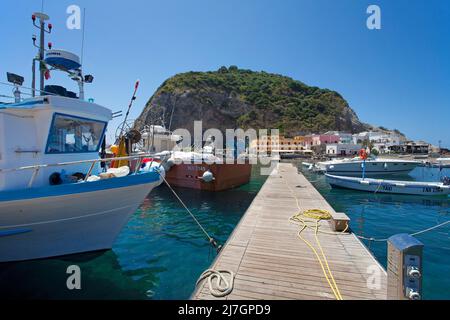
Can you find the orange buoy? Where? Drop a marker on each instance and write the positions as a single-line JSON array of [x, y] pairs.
[[114, 149], [363, 154]]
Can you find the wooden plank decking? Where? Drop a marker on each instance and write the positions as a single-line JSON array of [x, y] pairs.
[[272, 262]]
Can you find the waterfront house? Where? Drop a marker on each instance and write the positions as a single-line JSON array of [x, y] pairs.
[[411, 147], [344, 137], [318, 142], [382, 141], [342, 149], [280, 144]]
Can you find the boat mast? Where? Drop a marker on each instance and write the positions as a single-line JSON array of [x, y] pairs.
[[42, 17]]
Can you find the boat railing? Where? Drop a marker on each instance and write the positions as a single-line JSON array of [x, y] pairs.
[[93, 162]]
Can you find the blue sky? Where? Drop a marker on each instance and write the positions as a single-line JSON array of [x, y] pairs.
[[397, 77]]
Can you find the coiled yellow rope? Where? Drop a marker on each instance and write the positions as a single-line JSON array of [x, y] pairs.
[[303, 218], [318, 215]]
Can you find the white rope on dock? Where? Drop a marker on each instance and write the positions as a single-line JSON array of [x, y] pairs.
[[217, 289]]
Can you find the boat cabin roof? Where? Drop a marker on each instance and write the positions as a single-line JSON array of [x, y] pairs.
[[61, 104]]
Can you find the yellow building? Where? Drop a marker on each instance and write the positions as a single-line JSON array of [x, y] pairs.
[[279, 144]]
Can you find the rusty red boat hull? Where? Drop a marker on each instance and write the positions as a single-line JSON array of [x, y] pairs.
[[226, 176]]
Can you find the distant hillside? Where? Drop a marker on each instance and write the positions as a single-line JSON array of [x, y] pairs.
[[232, 97]]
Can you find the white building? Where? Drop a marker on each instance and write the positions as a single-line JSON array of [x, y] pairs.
[[380, 140], [342, 149]]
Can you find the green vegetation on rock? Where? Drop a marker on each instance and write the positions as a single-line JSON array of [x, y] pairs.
[[249, 99]]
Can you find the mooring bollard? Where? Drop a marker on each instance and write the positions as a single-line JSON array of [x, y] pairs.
[[404, 268]]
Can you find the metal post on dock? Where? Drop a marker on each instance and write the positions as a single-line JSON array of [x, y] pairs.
[[404, 268]]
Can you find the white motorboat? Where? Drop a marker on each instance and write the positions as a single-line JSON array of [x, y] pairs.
[[391, 186], [442, 163], [373, 166], [55, 198]]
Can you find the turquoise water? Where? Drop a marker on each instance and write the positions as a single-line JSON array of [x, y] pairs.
[[158, 255], [161, 252], [382, 215]]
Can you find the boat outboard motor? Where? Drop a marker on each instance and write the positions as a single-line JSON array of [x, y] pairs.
[[446, 181]]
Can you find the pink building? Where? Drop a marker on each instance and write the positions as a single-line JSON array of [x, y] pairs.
[[321, 139]]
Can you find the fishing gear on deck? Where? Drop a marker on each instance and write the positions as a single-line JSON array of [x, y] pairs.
[[136, 86], [123, 140]]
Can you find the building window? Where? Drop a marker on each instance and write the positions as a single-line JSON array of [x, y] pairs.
[[69, 134]]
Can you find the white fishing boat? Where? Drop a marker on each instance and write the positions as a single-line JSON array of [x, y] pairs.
[[55, 197], [391, 186], [373, 166]]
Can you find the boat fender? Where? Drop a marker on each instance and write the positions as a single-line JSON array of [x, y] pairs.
[[207, 176], [55, 179], [170, 163]]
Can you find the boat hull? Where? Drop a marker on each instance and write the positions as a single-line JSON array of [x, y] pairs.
[[388, 186], [41, 227], [372, 168], [226, 176]]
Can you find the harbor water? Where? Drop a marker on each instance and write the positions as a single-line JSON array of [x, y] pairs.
[[161, 252], [380, 216]]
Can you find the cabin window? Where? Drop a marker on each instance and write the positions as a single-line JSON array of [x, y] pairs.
[[69, 134]]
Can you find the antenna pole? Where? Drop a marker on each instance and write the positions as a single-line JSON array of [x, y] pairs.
[[82, 37], [41, 54], [42, 17], [33, 78]]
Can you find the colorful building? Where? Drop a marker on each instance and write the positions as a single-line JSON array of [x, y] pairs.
[[279, 144]]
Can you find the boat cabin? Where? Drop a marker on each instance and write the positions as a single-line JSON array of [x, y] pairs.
[[48, 130]]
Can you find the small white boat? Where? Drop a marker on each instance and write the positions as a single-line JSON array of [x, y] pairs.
[[390, 186], [373, 166], [307, 164]]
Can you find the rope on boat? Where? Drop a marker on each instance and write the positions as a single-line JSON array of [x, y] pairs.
[[217, 289], [211, 240], [411, 234], [379, 186], [317, 215]]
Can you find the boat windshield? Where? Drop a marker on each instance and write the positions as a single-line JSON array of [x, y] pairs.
[[70, 134]]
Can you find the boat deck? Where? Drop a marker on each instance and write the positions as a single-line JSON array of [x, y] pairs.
[[271, 262]]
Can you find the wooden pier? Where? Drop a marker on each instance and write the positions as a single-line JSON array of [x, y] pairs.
[[270, 261]]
